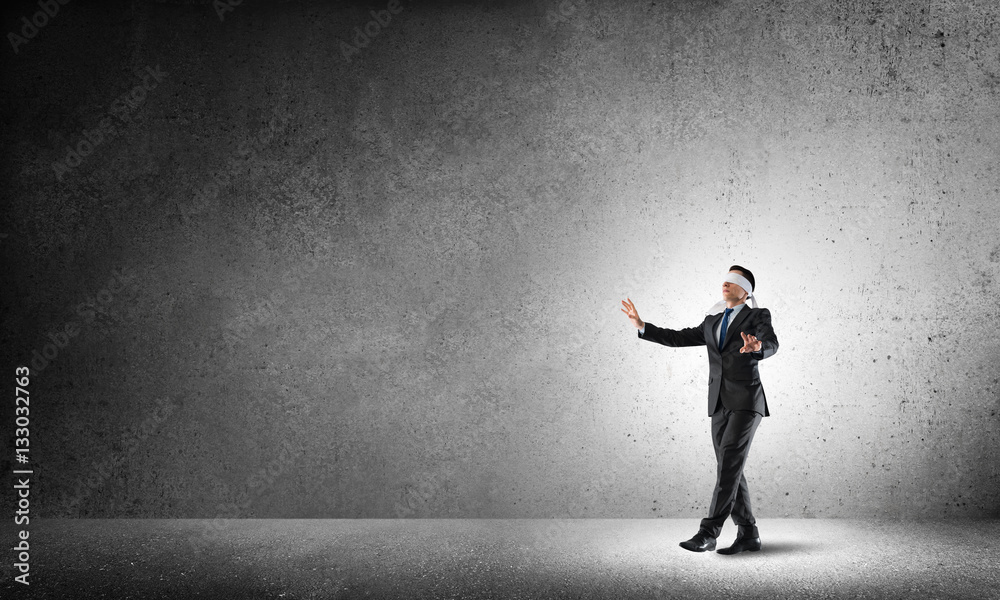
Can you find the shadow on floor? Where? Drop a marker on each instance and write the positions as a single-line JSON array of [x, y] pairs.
[[785, 547]]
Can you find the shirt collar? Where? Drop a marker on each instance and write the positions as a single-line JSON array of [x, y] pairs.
[[736, 309]]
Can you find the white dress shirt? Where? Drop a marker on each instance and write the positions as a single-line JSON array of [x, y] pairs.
[[732, 315]]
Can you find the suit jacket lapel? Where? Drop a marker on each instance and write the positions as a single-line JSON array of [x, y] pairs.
[[731, 328], [712, 323]]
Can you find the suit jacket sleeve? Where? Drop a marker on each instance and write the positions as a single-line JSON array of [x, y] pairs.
[[692, 336], [763, 331]]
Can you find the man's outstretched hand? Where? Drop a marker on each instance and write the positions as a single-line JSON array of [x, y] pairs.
[[750, 343], [633, 314]]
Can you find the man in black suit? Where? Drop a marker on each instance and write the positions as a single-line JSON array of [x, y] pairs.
[[736, 400]]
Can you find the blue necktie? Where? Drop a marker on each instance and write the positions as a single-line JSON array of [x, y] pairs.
[[722, 332]]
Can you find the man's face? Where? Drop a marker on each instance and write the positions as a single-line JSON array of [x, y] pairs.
[[732, 291]]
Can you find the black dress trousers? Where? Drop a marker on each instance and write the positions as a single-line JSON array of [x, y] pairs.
[[732, 433]]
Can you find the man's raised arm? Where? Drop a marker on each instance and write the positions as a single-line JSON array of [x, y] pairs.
[[692, 336]]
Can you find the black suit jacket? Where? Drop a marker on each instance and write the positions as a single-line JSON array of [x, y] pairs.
[[733, 379]]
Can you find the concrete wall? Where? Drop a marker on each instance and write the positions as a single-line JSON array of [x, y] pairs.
[[295, 277]]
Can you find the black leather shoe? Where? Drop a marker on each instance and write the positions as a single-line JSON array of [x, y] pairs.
[[699, 543], [742, 543]]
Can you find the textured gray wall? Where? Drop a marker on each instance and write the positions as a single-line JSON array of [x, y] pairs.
[[304, 279]]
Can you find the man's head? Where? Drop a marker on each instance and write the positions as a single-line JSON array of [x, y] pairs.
[[734, 292]]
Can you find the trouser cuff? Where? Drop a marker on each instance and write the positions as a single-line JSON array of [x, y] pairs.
[[750, 532]]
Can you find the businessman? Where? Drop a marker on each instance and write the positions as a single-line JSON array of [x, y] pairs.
[[736, 400]]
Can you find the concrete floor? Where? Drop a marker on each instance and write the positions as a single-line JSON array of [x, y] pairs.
[[524, 558]]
